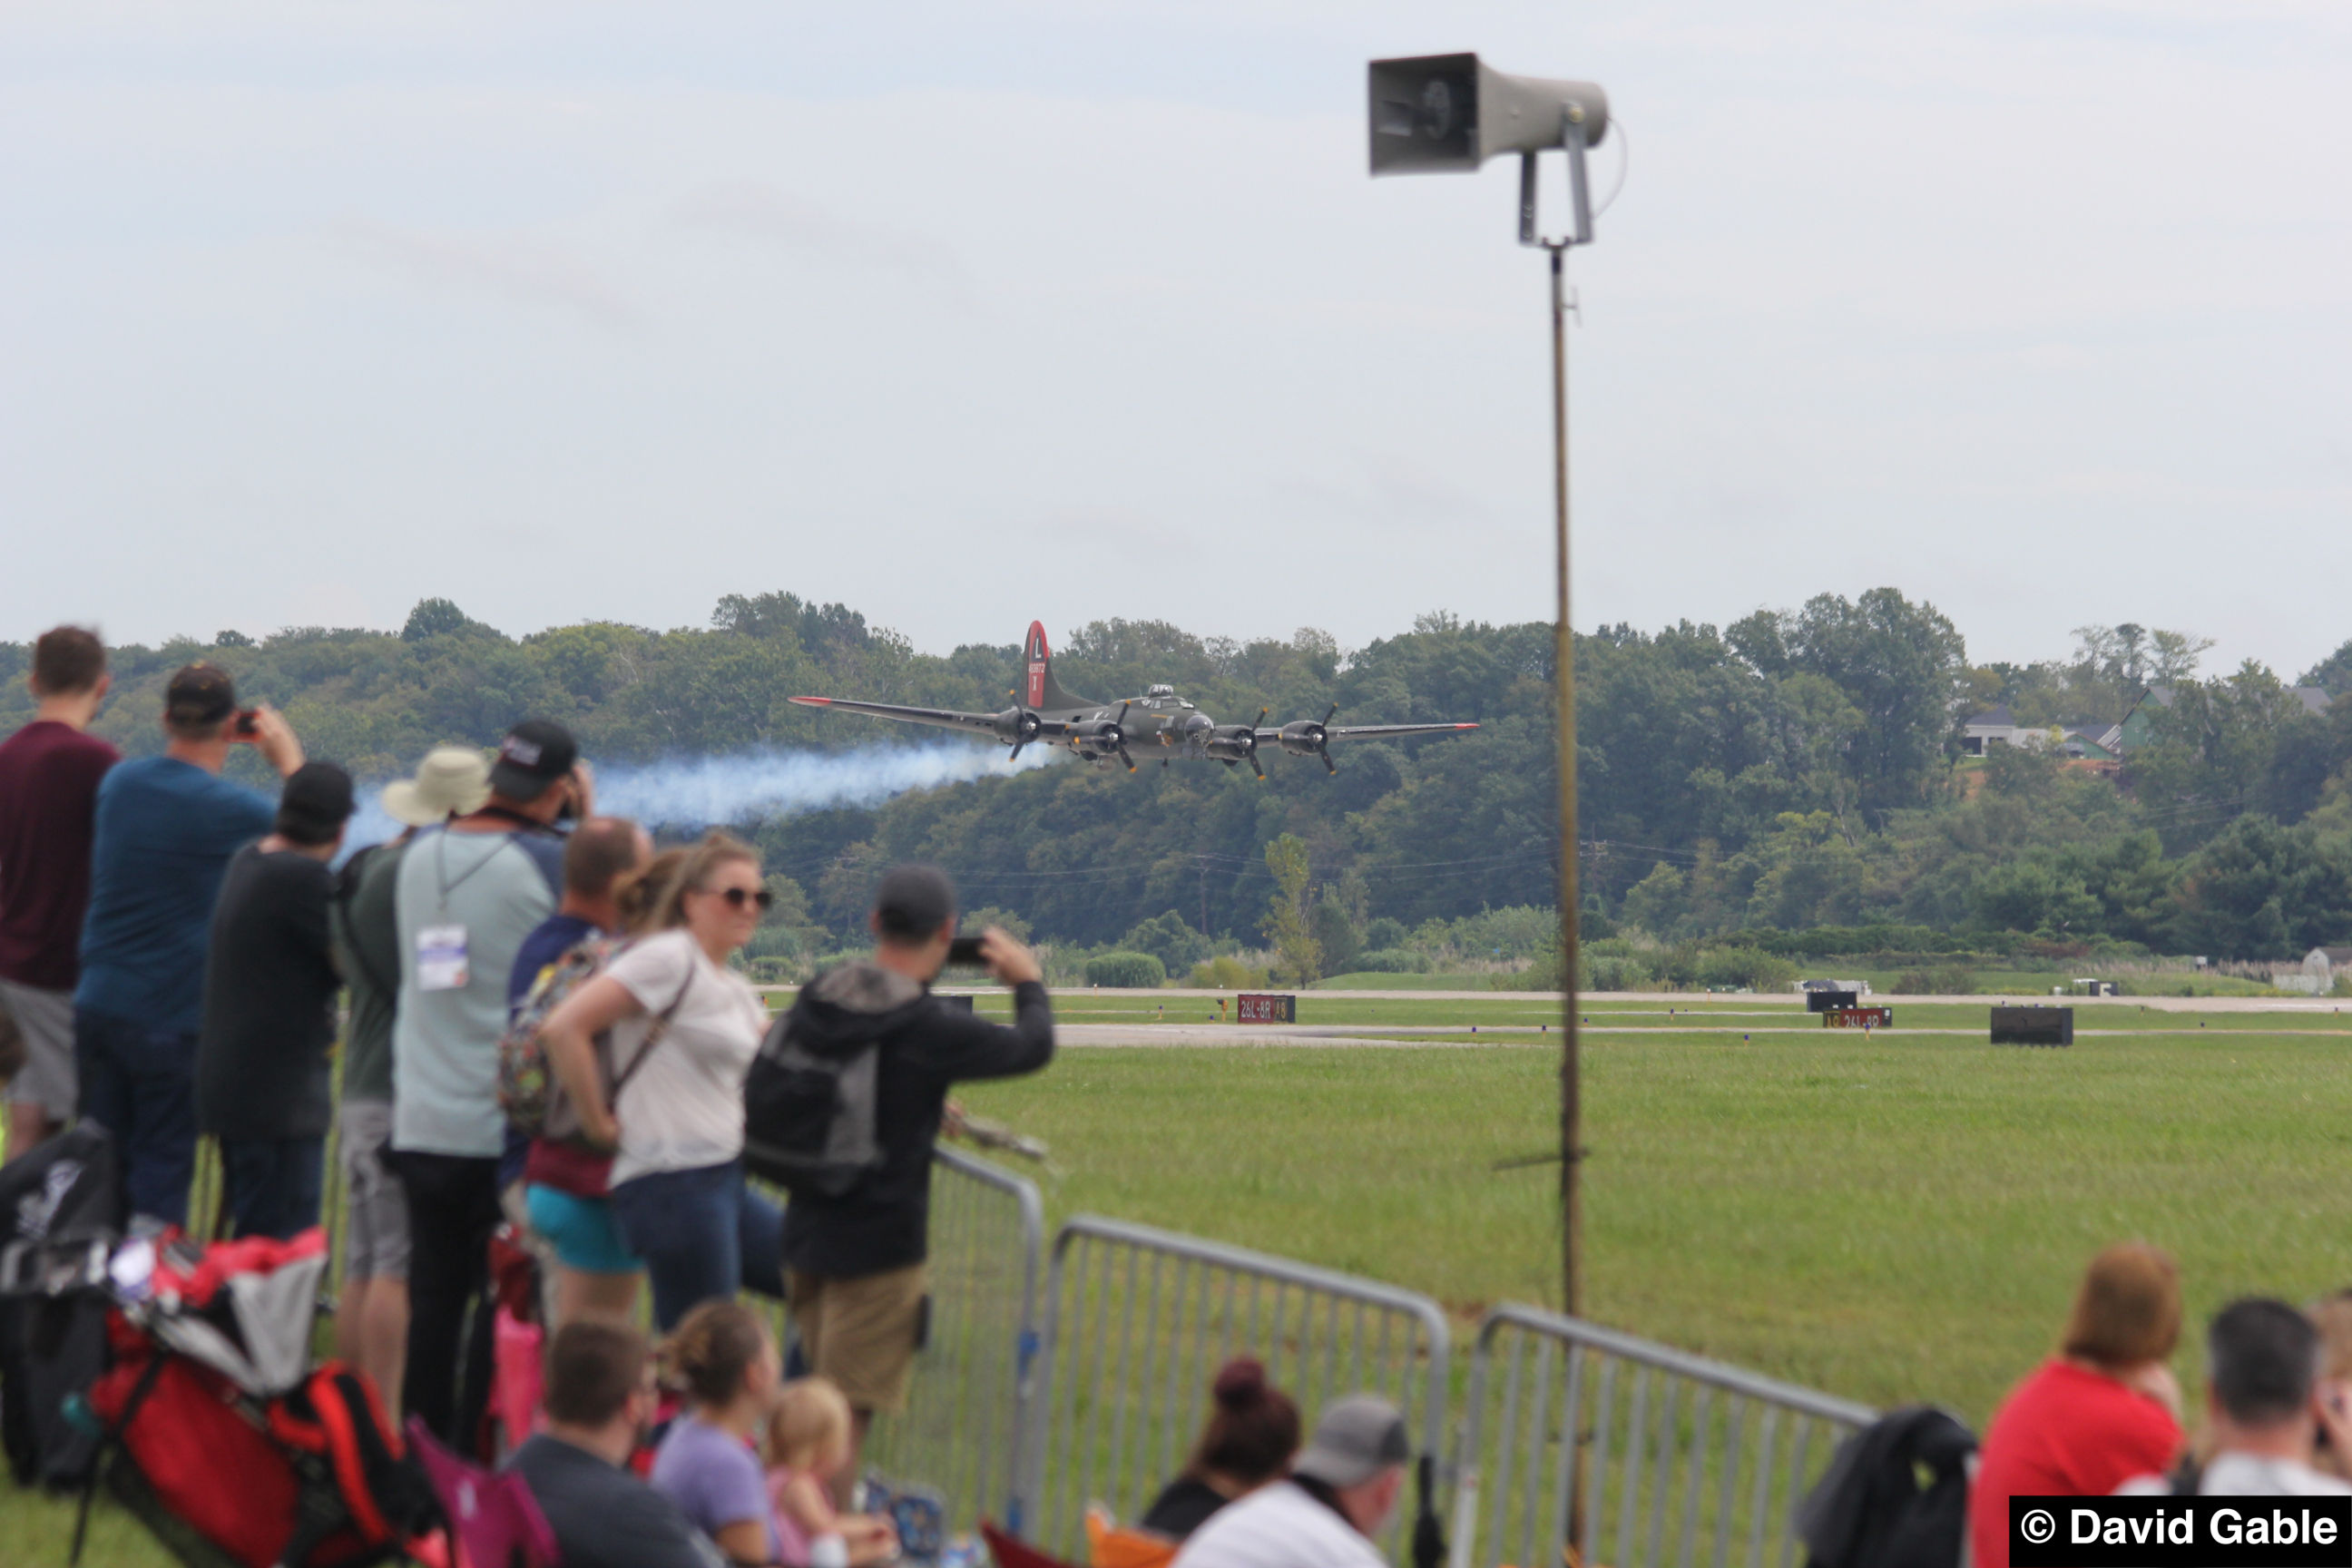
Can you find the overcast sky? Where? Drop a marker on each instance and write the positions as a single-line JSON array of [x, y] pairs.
[[966, 313]]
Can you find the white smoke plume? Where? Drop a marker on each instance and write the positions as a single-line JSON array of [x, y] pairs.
[[689, 792]]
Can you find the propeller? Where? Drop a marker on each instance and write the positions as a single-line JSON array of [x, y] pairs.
[[1119, 729], [1253, 745], [1322, 733], [1025, 728]]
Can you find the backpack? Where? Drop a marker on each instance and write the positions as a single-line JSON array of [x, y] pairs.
[[57, 1202], [1869, 1511], [809, 1118], [534, 1102], [317, 1477], [527, 1086]]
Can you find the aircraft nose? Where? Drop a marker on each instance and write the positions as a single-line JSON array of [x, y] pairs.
[[1197, 725]]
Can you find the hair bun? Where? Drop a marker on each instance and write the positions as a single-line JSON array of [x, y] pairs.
[[1242, 1384]]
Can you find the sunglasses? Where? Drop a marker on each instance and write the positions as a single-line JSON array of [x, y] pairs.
[[737, 897]]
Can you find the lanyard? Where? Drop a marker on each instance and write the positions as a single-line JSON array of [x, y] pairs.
[[441, 865]]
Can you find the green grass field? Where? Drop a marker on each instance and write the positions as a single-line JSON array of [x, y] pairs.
[[1890, 1217]]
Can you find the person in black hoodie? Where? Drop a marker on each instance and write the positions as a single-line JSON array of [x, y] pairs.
[[854, 1263]]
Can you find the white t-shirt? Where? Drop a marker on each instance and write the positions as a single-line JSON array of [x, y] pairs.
[[683, 1110], [2246, 1475], [1278, 1526]]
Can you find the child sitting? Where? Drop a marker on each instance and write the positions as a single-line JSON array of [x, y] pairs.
[[808, 1445]]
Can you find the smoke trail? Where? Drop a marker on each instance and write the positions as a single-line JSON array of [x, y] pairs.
[[687, 793]]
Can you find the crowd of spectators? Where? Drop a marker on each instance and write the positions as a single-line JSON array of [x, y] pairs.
[[174, 946]]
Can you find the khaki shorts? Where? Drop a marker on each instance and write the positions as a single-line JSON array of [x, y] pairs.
[[376, 1232], [46, 1019], [861, 1332]]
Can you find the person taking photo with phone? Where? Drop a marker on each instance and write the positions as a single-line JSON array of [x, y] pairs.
[[855, 1243], [164, 831]]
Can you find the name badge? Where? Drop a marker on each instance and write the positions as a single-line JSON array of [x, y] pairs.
[[441, 958]]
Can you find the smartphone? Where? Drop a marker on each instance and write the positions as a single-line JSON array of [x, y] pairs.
[[245, 725], [965, 950]]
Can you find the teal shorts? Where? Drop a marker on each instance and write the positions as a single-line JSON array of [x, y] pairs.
[[580, 1229]]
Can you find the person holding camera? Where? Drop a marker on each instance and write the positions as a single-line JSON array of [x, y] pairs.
[[853, 1257], [468, 893], [163, 835]]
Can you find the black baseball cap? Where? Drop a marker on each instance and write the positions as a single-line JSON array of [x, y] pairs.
[[536, 754], [914, 902], [199, 694], [315, 803]]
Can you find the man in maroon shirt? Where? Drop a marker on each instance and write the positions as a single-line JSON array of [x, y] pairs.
[[48, 790]]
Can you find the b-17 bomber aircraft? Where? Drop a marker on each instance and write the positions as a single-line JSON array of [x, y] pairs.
[[1100, 732]]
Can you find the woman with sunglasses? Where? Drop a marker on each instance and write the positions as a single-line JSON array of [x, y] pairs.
[[684, 1028]]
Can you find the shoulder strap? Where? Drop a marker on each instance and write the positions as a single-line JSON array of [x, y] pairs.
[[654, 1034], [347, 888]]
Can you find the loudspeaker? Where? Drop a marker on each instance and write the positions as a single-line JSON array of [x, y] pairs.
[[1434, 114]]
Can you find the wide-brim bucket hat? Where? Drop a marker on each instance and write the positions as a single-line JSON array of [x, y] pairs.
[[451, 780]]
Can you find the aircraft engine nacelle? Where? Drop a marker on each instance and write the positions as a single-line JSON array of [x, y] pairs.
[[1015, 726], [1102, 738], [1231, 742], [1304, 739]]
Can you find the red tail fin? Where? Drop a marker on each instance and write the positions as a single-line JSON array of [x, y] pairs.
[[1040, 660]]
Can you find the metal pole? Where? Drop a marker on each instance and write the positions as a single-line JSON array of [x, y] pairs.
[[1572, 1152]]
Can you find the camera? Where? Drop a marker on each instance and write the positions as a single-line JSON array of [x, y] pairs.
[[965, 950], [245, 725]]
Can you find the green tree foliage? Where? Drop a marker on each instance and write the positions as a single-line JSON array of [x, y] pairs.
[[1126, 971], [988, 915], [1798, 770], [1167, 938], [1289, 917]]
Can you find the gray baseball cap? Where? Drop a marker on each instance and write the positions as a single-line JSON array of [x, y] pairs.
[[1356, 1438]]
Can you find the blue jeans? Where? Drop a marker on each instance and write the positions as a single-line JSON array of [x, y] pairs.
[[138, 1083], [702, 1234], [273, 1183]]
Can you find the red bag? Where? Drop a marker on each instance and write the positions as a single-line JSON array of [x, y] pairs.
[[318, 1477], [201, 1457]]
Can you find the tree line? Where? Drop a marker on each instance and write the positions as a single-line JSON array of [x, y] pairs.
[[1794, 769]]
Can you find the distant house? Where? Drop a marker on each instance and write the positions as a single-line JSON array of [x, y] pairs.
[[2081, 738], [2322, 964], [2135, 731], [2088, 740], [1993, 725], [2315, 698], [2094, 739]]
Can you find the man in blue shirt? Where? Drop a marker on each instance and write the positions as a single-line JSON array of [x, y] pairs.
[[164, 830]]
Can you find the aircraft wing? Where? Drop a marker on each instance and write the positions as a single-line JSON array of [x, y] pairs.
[[945, 718], [1374, 731]]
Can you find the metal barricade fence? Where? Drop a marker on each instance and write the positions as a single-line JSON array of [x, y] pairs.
[[1642, 1456], [962, 1427], [1137, 1321], [966, 1415]]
